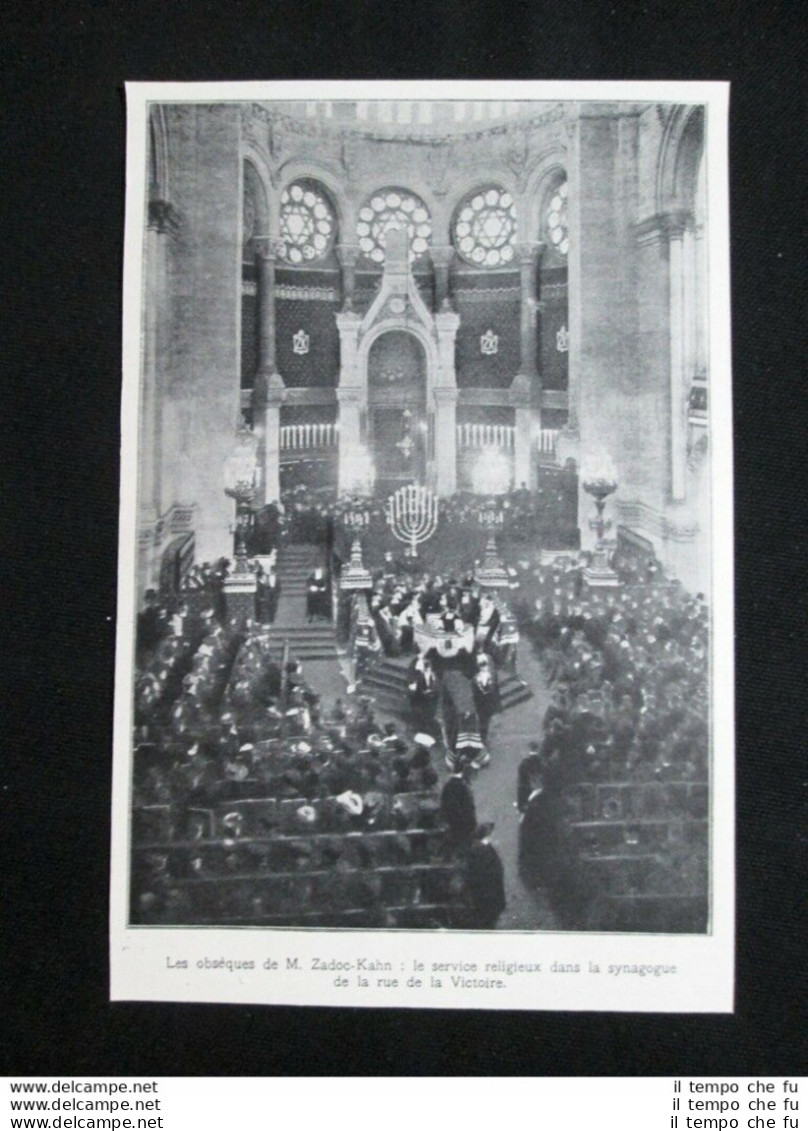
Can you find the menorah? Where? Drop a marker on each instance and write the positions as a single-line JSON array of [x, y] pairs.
[[412, 515]]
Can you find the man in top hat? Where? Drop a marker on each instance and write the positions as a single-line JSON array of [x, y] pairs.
[[423, 694], [485, 880], [485, 688]]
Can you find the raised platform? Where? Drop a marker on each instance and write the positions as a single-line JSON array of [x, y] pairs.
[[387, 684]]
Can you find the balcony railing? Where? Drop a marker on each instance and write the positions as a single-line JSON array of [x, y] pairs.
[[302, 437], [546, 439], [485, 436]]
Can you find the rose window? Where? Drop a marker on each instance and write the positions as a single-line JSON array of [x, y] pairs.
[[485, 228], [393, 208], [557, 229], [307, 223]]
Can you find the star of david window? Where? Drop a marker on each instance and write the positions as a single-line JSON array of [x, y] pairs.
[[307, 223], [393, 208], [485, 228], [557, 228]]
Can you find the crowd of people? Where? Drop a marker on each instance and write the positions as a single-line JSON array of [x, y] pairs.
[[242, 779], [256, 775], [547, 514], [629, 672]]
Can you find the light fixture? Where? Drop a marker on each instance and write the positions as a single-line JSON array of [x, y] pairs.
[[240, 482]]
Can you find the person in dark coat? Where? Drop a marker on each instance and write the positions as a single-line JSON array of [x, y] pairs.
[[317, 604], [488, 620], [528, 776], [458, 809], [485, 687], [485, 880], [539, 836], [424, 693]]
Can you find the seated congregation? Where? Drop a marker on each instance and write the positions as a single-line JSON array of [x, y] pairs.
[[256, 803]]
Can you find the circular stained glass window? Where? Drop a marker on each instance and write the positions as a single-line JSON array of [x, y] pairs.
[[393, 208], [485, 228], [557, 230], [307, 223]]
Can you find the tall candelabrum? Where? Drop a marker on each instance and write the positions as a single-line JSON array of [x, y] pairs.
[[492, 572], [356, 516], [240, 483], [600, 488], [599, 572], [412, 515]]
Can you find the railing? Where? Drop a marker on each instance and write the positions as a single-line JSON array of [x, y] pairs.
[[299, 437], [546, 439], [485, 435]]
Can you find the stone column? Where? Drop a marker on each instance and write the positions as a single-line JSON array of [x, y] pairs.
[[679, 341], [528, 254], [267, 254], [268, 390], [445, 440], [447, 323], [523, 462], [354, 462], [442, 259], [347, 255], [163, 222]]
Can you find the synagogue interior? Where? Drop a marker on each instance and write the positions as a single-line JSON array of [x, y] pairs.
[[423, 542]]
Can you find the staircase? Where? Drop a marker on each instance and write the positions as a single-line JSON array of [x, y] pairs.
[[314, 641], [295, 563], [387, 684]]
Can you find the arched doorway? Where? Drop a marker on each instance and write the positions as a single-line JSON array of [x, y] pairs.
[[397, 416]]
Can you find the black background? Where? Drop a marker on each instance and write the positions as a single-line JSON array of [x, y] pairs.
[[62, 223]]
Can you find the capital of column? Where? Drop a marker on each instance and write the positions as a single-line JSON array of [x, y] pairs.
[[269, 248], [268, 389], [528, 253], [442, 256], [662, 227], [519, 392], [445, 395], [447, 322], [163, 217], [347, 254]]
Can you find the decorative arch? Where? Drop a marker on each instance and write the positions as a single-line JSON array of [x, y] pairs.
[[307, 223], [159, 188], [396, 198], [680, 154], [332, 182], [409, 182], [416, 330], [259, 168], [255, 199], [550, 166]]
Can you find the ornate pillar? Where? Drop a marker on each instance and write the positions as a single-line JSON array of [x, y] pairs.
[[677, 224], [355, 472], [267, 253], [442, 259], [163, 222], [445, 440], [445, 395], [528, 306], [352, 399], [269, 389], [523, 462], [347, 255]]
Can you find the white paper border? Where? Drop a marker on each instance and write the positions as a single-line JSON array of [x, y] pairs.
[[704, 982]]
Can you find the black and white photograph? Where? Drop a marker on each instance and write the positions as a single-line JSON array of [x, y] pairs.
[[425, 617]]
